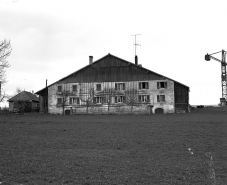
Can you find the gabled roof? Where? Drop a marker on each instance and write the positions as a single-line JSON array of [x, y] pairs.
[[24, 96], [100, 63]]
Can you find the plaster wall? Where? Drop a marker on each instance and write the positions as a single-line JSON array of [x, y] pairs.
[[84, 88]]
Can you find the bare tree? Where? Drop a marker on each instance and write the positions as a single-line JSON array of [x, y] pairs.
[[65, 96], [87, 96], [18, 90], [132, 97], [108, 94], [5, 51], [3, 96]]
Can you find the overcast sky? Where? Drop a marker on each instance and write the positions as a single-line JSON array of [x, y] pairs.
[[53, 38]]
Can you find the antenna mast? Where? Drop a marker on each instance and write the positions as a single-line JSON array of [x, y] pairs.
[[135, 42]]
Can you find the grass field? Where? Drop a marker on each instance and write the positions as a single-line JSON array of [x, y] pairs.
[[114, 149]]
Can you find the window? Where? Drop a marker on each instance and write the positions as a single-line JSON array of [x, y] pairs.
[[98, 87], [120, 99], [74, 100], [59, 88], [160, 98], [98, 100], [161, 85], [143, 85], [59, 101], [144, 98], [74, 88], [119, 86]]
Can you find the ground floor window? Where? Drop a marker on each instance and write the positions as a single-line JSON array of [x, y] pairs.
[[98, 100], [74, 100], [160, 98], [120, 99], [144, 98]]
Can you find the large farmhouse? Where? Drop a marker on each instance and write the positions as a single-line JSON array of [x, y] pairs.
[[113, 85]]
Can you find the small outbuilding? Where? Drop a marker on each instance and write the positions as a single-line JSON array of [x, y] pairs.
[[24, 101]]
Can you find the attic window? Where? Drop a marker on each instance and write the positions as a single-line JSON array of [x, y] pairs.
[[161, 85]]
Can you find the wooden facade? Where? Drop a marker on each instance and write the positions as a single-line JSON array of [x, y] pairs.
[[100, 80]]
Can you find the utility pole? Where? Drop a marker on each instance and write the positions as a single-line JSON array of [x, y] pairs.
[[208, 57]]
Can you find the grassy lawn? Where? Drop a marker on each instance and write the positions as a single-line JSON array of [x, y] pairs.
[[113, 149]]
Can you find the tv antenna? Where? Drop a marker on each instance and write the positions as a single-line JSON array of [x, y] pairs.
[[135, 42]]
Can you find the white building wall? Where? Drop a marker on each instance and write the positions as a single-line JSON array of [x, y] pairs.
[[83, 88]]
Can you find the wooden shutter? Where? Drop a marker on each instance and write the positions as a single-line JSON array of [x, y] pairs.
[[140, 98], [163, 98], [140, 85], [158, 85], [123, 86], [94, 100], [70, 101], [148, 98], [78, 101], [124, 99], [165, 85], [147, 85], [158, 98]]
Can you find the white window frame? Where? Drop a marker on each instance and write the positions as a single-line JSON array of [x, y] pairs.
[[120, 86], [119, 98], [162, 85], [99, 100], [74, 101], [143, 85], [144, 98]]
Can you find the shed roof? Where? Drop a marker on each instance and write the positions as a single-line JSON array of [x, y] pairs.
[[24, 96]]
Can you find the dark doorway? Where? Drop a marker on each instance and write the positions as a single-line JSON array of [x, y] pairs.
[[159, 111], [67, 112]]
